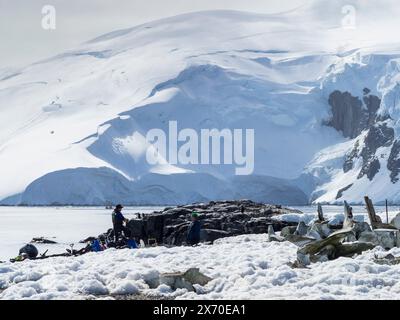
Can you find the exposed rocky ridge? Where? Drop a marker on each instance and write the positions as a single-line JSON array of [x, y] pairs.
[[350, 158], [218, 219], [350, 114], [379, 135], [353, 117], [394, 162]]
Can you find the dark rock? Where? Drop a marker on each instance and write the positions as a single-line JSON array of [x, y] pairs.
[[370, 168], [348, 115], [366, 91], [372, 103], [209, 235], [351, 116], [378, 136], [218, 220], [349, 161], [137, 228], [155, 227], [393, 164]]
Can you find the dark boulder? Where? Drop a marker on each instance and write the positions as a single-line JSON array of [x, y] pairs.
[[218, 219], [209, 235], [394, 162]]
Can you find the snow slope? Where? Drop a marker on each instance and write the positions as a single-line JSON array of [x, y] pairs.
[[245, 267], [89, 109]]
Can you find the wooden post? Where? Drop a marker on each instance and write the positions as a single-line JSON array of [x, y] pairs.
[[387, 212]]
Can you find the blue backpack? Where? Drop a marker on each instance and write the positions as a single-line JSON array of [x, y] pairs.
[[96, 247], [132, 244]]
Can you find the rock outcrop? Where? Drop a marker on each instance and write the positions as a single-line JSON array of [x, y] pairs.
[[379, 135], [394, 162], [350, 114], [359, 118], [218, 219]]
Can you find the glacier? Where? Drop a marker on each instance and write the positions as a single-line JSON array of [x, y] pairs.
[[73, 127]]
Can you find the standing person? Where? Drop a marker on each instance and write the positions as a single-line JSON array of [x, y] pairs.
[[118, 220], [193, 236]]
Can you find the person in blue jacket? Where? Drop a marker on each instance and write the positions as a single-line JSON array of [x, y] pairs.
[[193, 236], [118, 220]]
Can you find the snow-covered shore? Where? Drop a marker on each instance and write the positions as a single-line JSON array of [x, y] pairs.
[[244, 267]]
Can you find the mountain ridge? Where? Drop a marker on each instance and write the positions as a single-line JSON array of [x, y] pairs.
[[90, 108]]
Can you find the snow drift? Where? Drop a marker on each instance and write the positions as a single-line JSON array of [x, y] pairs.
[[244, 267]]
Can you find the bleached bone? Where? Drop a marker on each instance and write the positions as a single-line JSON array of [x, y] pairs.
[[272, 236], [302, 229], [320, 214], [348, 216]]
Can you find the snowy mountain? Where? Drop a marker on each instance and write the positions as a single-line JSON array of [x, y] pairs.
[[321, 98], [368, 161]]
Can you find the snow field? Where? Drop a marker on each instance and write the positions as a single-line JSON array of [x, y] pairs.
[[244, 267]]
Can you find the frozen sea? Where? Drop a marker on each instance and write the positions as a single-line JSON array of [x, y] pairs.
[[67, 225]]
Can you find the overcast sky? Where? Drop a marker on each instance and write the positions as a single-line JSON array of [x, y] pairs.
[[23, 40]]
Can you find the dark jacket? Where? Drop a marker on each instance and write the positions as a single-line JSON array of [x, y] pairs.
[[117, 218], [194, 232]]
